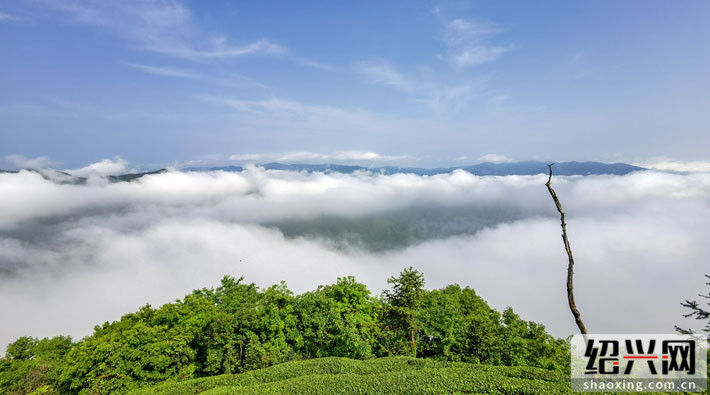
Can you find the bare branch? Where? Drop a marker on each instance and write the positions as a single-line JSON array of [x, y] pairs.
[[568, 249]]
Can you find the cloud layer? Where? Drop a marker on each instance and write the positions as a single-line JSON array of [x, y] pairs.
[[165, 27], [669, 164], [72, 256]]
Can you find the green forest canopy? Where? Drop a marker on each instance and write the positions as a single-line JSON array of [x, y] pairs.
[[238, 327]]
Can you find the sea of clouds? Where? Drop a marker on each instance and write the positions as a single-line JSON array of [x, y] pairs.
[[72, 256]]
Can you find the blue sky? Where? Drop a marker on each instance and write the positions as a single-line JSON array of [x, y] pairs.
[[421, 83]]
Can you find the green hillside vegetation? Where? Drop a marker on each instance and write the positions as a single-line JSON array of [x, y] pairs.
[[382, 375], [234, 331], [390, 375]]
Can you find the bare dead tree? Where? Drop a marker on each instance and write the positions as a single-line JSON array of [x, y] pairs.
[[700, 313], [570, 265]]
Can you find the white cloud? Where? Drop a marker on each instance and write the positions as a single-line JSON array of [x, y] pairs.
[[106, 167], [469, 42], [106, 249], [363, 155], [161, 26], [166, 71], [488, 158], [248, 157], [669, 164], [351, 156], [494, 158], [22, 162]]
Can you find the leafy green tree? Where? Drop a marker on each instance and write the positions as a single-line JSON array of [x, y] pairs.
[[277, 326], [33, 366], [527, 344], [148, 346], [457, 325], [404, 300], [255, 356], [338, 320], [247, 322], [221, 346], [22, 348]]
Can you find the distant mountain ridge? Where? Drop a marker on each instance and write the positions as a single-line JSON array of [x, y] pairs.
[[63, 177], [525, 168]]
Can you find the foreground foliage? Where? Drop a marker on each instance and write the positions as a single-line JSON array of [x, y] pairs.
[[383, 375], [392, 375], [237, 328]]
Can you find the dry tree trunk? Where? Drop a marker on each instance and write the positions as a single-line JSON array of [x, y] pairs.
[[570, 266]]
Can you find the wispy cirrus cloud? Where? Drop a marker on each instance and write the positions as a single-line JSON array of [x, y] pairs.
[[236, 80], [317, 64], [4, 17], [291, 123], [451, 97], [499, 99], [577, 58], [57, 107], [164, 27], [166, 71], [231, 80], [469, 42], [384, 73], [421, 88], [280, 107], [275, 113]]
